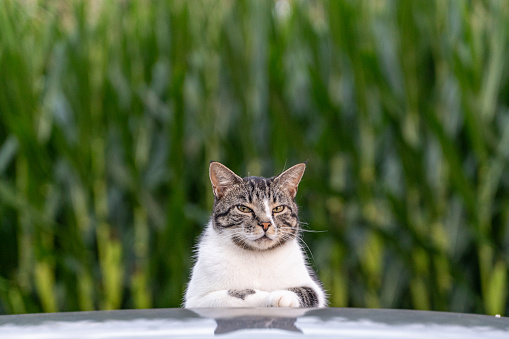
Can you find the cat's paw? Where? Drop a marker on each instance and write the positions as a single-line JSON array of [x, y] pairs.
[[282, 298]]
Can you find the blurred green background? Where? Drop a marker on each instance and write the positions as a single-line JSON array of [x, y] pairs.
[[110, 112]]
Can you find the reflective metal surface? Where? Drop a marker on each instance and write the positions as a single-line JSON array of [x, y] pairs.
[[254, 323]]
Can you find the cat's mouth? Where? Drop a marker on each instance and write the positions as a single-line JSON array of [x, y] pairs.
[[263, 238]]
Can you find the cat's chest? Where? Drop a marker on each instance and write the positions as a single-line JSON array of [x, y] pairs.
[[275, 269], [262, 266]]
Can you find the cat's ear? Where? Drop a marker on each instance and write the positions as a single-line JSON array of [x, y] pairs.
[[289, 180], [222, 178]]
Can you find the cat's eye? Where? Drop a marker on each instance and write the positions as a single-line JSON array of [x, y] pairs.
[[244, 209], [278, 209]]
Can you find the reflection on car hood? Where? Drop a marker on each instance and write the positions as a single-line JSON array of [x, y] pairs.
[[253, 323]]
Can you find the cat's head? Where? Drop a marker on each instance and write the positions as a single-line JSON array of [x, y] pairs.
[[256, 213]]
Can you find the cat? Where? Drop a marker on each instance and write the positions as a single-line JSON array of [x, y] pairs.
[[249, 253]]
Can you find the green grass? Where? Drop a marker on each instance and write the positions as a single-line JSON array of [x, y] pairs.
[[111, 111]]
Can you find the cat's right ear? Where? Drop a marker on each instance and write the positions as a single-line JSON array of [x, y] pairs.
[[222, 178]]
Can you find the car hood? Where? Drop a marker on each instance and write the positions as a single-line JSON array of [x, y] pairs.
[[253, 323]]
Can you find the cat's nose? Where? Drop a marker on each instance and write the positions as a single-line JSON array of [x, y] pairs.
[[265, 225]]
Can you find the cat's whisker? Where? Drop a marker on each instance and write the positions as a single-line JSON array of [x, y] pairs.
[[301, 241], [313, 231]]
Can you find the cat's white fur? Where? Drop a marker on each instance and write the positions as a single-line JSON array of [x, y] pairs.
[[268, 211], [221, 266]]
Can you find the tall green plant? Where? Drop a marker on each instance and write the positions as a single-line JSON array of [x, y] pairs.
[[111, 111]]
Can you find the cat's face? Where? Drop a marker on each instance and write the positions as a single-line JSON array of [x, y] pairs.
[[255, 213]]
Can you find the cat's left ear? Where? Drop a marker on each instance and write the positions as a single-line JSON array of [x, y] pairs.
[[289, 180]]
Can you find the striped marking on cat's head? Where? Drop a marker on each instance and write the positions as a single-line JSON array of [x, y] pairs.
[[244, 206]]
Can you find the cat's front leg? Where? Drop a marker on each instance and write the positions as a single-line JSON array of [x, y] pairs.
[[292, 297], [279, 298], [229, 298]]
